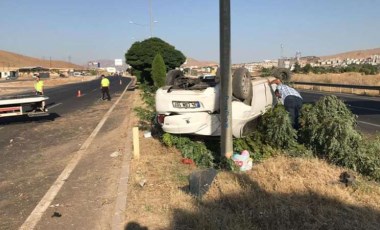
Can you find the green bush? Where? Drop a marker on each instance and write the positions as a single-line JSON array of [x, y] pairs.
[[368, 158], [274, 135], [329, 130], [276, 128], [366, 69], [146, 114], [158, 71], [195, 150]]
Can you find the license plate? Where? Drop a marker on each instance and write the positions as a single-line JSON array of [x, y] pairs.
[[186, 104]]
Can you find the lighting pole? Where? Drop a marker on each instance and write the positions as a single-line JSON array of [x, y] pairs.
[[145, 25], [226, 79], [150, 17]]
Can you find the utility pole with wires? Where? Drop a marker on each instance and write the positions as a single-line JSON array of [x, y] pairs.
[[150, 18], [226, 79]]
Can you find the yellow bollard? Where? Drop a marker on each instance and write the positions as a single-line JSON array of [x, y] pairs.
[[136, 144]]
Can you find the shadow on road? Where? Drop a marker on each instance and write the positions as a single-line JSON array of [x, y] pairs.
[[25, 119]]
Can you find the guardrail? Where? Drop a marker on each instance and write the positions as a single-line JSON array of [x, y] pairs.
[[365, 87]]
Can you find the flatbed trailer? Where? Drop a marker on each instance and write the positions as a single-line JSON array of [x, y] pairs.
[[27, 104]]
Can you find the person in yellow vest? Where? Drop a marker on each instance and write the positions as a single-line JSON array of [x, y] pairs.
[[39, 86], [39, 89], [105, 85]]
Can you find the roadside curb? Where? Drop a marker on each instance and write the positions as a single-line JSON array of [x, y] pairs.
[[118, 219]]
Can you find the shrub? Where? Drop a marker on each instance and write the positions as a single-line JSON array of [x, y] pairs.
[[368, 162], [329, 129], [195, 150], [158, 71], [276, 128]]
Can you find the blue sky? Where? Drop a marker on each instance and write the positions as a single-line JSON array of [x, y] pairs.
[[89, 30]]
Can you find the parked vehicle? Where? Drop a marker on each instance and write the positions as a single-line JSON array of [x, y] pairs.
[[77, 74], [191, 105]]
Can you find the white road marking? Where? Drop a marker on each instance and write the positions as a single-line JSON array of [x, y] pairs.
[[44, 203], [94, 90], [118, 221], [54, 105], [358, 107], [1, 127], [367, 123]]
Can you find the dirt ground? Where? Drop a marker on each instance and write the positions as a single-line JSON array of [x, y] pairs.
[[279, 193]]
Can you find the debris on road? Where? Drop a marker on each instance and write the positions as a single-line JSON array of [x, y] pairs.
[[347, 178], [115, 154], [147, 134], [200, 181], [56, 214], [187, 161], [242, 160], [142, 182], [54, 205]]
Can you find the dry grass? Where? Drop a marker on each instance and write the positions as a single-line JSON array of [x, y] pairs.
[[280, 193], [344, 78]]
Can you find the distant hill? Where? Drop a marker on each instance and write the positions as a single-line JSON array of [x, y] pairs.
[[356, 54], [9, 59], [192, 62]]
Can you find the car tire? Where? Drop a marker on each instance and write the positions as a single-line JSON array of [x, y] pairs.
[[172, 75], [241, 85], [283, 74], [217, 76]]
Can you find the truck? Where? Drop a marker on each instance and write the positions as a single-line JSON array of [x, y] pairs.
[[26, 104], [188, 105]]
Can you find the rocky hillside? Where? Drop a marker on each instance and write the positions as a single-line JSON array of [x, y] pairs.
[[357, 54], [9, 59]]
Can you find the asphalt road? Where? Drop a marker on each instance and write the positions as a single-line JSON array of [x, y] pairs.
[[366, 108], [62, 100], [34, 151]]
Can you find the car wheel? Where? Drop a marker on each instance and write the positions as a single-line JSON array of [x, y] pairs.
[[241, 85], [282, 74], [172, 75], [217, 75]]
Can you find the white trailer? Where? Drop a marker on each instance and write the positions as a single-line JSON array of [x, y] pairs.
[[30, 105]]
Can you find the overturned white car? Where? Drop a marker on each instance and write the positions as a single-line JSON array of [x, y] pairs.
[[191, 105]]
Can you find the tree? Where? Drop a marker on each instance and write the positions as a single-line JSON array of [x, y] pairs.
[[141, 54], [307, 68], [297, 68], [158, 71]]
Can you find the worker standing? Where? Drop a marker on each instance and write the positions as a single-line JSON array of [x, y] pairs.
[[105, 85], [39, 86], [291, 99], [39, 89]]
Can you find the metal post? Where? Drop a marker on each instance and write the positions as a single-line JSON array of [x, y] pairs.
[[150, 17], [226, 80]]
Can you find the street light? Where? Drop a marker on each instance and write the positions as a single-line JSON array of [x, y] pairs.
[[145, 25], [150, 20]]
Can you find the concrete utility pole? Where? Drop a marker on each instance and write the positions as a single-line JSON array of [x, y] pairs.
[[226, 79], [150, 18]]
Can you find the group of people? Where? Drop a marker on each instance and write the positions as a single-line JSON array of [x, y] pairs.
[[39, 89]]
